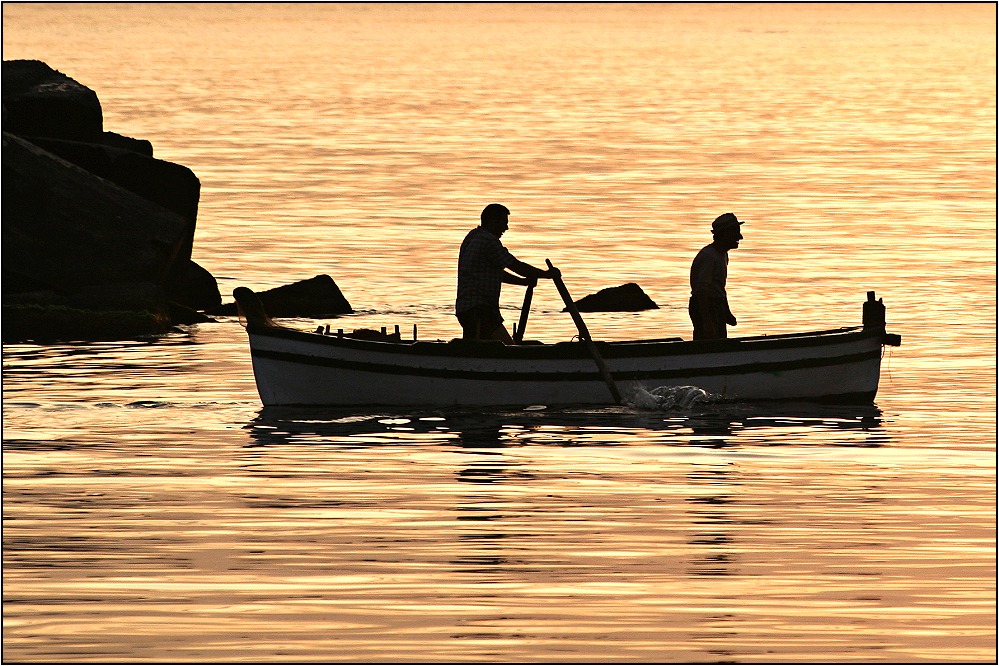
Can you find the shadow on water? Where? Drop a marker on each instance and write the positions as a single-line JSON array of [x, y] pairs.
[[715, 426]]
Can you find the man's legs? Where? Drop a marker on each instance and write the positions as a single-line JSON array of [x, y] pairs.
[[708, 318], [483, 323]]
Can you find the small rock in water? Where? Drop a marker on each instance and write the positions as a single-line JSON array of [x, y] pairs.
[[670, 397]]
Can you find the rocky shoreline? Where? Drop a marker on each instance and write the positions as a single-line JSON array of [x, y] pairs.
[[97, 233]]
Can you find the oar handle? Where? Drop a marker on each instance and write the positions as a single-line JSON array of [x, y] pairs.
[[518, 335]]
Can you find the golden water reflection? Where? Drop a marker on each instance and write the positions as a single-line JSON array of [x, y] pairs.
[[750, 534], [615, 527]]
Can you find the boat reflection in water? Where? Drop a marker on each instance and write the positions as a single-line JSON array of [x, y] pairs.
[[704, 425]]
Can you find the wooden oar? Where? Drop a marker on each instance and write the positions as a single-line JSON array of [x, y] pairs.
[[584, 335], [518, 335]]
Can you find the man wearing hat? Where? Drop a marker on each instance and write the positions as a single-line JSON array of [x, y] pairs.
[[709, 311]]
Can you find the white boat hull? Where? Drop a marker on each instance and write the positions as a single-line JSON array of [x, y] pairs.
[[296, 368]]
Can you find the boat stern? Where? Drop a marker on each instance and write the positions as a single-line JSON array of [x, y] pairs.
[[874, 317]]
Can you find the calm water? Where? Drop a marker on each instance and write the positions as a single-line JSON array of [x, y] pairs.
[[153, 511]]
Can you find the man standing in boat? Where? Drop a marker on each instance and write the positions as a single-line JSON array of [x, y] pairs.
[[709, 311], [482, 267]]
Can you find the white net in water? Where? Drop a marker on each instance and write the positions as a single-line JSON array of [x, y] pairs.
[[670, 397]]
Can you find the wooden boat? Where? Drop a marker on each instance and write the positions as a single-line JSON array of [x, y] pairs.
[[293, 367]]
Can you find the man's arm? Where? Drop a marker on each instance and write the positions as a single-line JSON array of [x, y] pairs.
[[712, 308], [510, 278], [529, 272]]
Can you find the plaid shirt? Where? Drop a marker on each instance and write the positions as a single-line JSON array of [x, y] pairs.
[[481, 261]]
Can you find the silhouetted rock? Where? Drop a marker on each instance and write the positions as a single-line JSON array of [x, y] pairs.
[[315, 297], [626, 298], [192, 286], [170, 185], [65, 229], [40, 101], [90, 219]]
